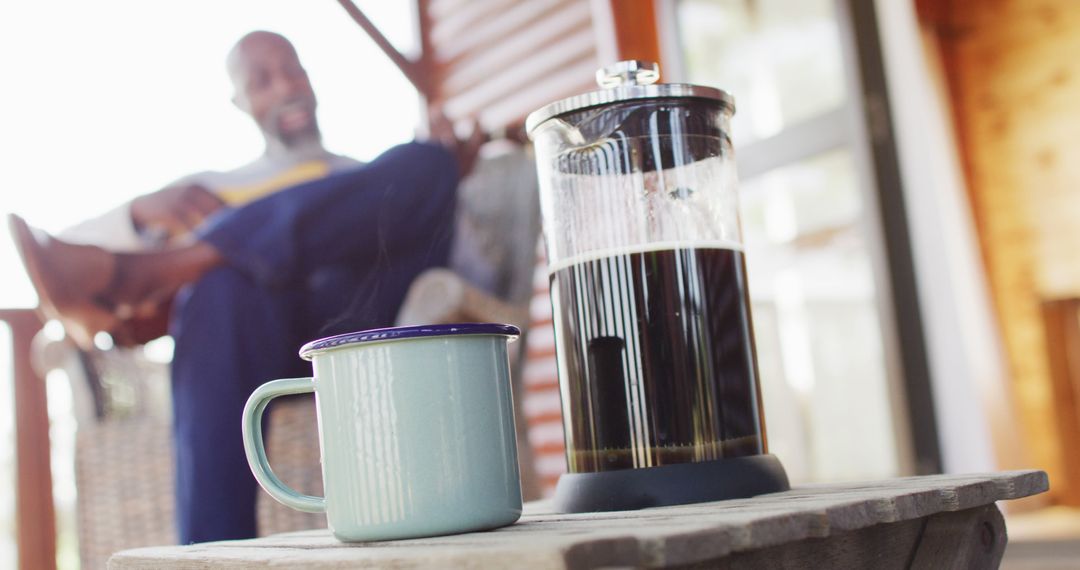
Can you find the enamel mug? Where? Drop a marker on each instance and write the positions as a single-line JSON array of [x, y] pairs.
[[416, 430]]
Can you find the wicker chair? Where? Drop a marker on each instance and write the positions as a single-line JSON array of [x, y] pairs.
[[124, 455]]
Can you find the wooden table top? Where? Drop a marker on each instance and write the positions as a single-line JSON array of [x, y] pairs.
[[664, 536]]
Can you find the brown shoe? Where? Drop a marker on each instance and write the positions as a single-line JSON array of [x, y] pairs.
[[68, 279]]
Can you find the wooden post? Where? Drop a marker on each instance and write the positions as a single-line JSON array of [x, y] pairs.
[[35, 520], [626, 29], [1061, 322]]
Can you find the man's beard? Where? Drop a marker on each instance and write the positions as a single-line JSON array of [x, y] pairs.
[[292, 123]]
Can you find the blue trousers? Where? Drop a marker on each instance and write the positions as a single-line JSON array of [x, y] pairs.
[[322, 258]]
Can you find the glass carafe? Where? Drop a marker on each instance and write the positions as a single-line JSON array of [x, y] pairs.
[[650, 302]]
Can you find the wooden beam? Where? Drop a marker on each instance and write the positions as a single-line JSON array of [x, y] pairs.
[[425, 64], [407, 66], [35, 520]]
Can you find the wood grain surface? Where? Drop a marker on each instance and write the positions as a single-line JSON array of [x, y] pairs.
[[848, 522]]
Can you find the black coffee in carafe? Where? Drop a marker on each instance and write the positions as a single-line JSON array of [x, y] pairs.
[[653, 335], [660, 366]]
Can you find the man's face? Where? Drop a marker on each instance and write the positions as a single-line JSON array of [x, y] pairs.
[[273, 88]]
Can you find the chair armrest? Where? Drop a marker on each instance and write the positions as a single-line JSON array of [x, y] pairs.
[[48, 353], [442, 296]]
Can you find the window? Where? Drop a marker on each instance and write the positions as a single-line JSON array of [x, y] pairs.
[[811, 240]]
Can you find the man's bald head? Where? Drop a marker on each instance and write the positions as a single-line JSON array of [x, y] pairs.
[[272, 86], [252, 44]]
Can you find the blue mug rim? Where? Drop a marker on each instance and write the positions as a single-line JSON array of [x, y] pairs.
[[407, 332]]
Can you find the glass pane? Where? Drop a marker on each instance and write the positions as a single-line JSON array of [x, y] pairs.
[[816, 322], [781, 59]]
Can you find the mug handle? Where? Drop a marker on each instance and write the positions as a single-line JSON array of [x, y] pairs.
[[256, 450]]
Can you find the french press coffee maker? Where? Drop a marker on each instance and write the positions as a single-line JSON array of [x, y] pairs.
[[657, 366]]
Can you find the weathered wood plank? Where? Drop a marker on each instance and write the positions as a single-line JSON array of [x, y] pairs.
[[972, 538], [882, 547], [670, 536]]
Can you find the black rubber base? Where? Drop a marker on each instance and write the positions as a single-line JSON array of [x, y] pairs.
[[632, 489]]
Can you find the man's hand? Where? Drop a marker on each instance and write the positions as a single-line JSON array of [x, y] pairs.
[[149, 323], [176, 209]]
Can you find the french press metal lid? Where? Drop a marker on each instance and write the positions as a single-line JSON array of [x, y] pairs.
[[626, 81]]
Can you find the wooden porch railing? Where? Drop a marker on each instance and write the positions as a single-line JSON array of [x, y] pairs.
[[35, 520]]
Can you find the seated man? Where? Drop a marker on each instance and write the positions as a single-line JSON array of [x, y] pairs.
[[252, 283]]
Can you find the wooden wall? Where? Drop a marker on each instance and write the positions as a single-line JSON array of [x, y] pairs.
[[498, 60], [1014, 73]]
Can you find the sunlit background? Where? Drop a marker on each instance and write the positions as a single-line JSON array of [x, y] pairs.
[[106, 100], [109, 99]]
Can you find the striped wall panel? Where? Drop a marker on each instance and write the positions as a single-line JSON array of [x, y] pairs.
[[498, 60], [541, 400]]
